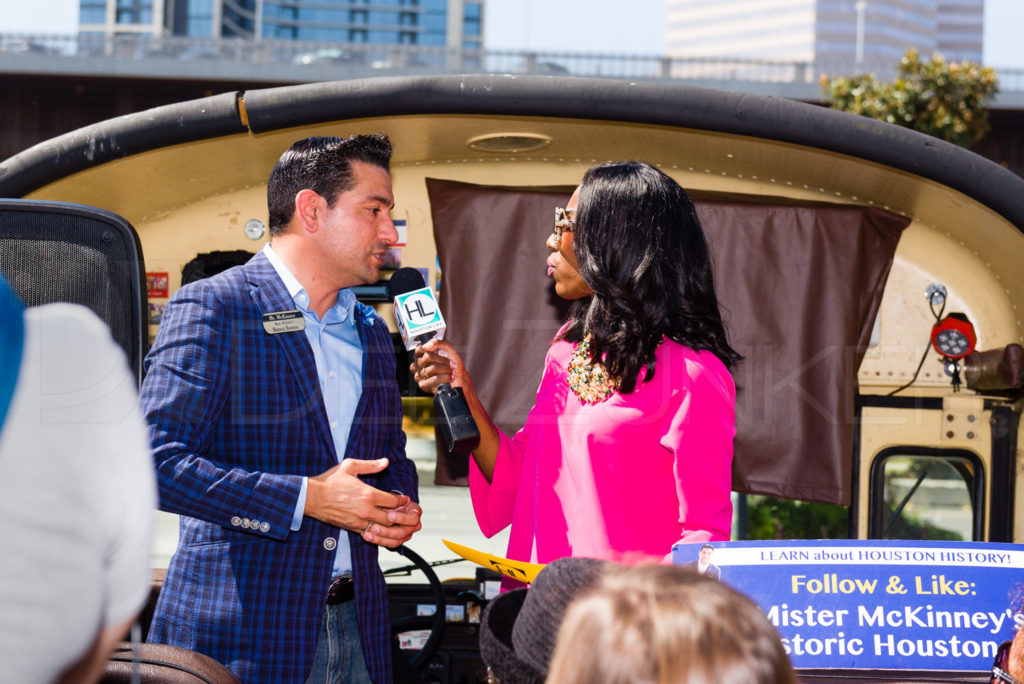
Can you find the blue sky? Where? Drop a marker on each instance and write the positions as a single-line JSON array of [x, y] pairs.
[[584, 26]]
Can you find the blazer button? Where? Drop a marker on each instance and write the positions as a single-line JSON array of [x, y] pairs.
[[245, 522], [264, 527], [330, 543], [236, 521], [254, 524]]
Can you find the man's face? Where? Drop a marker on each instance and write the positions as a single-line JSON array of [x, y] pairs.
[[705, 556], [358, 229]]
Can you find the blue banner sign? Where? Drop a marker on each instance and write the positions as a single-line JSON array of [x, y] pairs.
[[877, 604]]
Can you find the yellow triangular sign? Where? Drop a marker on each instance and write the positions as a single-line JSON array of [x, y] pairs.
[[524, 572]]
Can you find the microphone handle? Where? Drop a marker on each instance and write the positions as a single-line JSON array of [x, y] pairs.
[[454, 419]]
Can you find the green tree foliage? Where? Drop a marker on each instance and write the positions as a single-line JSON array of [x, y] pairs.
[[772, 518], [945, 100]]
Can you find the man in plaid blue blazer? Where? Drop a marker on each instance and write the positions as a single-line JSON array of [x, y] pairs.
[[276, 428]]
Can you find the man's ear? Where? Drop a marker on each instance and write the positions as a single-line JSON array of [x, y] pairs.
[[309, 207]]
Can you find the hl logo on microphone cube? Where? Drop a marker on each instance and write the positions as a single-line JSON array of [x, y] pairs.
[[418, 316]]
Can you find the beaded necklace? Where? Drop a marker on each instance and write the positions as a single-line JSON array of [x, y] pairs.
[[588, 380]]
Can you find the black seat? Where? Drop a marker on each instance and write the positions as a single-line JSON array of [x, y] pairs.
[[62, 252]]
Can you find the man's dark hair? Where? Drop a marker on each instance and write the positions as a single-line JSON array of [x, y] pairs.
[[323, 165], [707, 546], [642, 251]]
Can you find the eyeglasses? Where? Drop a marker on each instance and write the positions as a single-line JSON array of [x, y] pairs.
[[999, 673], [563, 224]]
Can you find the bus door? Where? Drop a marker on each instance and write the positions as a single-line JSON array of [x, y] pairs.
[[938, 468]]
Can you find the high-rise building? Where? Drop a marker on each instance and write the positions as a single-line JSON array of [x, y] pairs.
[[960, 24], [822, 31], [450, 23]]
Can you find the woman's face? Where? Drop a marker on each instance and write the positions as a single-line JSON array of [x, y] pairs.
[[562, 264]]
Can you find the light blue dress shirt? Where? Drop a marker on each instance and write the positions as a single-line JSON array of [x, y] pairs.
[[339, 367]]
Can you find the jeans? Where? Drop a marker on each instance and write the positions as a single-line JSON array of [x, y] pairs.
[[339, 653]]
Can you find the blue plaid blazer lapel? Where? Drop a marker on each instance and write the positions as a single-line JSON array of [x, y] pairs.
[[270, 295]]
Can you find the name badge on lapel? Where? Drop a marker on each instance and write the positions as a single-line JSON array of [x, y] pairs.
[[283, 322]]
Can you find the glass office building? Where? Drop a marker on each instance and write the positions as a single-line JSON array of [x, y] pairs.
[[445, 23], [824, 30]]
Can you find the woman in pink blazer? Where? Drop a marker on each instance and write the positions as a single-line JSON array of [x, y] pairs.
[[628, 448]]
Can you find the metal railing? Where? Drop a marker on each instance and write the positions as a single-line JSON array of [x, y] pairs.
[[299, 62]]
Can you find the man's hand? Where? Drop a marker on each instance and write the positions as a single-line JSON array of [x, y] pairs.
[[338, 497], [404, 522]]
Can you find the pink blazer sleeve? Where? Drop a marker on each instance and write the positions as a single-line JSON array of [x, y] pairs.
[[700, 436], [494, 502]]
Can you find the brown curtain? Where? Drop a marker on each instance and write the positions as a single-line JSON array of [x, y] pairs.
[[497, 300], [799, 285]]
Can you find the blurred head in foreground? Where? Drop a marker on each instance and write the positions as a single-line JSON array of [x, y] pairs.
[[665, 624]]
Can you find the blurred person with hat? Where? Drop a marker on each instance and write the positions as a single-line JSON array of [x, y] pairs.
[[518, 629]]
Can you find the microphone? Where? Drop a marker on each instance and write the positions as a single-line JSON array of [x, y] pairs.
[[416, 311], [419, 320]]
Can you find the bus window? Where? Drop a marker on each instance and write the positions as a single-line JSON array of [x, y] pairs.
[[926, 494]]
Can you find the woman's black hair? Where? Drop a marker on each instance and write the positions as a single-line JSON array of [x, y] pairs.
[[642, 251]]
